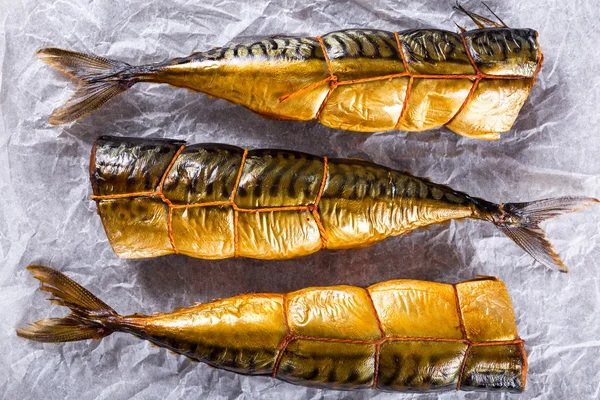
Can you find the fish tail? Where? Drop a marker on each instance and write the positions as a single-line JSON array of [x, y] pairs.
[[520, 222], [90, 318], [100, 79]]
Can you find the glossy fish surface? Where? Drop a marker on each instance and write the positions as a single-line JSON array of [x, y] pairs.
[[474, 82], [158, 197], [401, 335]]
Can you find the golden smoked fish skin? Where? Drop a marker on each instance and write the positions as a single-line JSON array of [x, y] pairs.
[[474, 82], [212, 201], [400, 335]]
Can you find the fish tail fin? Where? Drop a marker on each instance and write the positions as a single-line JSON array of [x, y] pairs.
[[520, 222], [90, 318], [100, 79]]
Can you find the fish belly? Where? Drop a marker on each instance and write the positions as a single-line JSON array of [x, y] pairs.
[[260, 85]]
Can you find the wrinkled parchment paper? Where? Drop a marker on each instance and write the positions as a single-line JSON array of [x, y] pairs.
[[46, 215]]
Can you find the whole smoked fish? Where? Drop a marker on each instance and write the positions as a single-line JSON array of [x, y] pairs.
[[213, 201], [397, 335], [367, 80]]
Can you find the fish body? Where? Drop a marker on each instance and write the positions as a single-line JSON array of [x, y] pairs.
[[158, 197], [397, 335], [374, 80], [367, 80]]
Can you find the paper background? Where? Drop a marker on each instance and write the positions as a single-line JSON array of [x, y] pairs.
[[46, 215]]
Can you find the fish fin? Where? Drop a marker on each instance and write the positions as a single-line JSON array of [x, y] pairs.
[[495, 15], [462, 30], [88, 313], [522, 225], [479, 20], [100, 79]]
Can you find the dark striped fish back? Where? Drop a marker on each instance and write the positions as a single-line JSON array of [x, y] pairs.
[[269, 178], [206, 173], [276, 48], [362, 180], [430, 51], [129, 165], [361, 43], [502, 51], [203, 173], [498, 51], [279, 178]]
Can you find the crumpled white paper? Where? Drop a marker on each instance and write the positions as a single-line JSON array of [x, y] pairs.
[[46, 215]]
